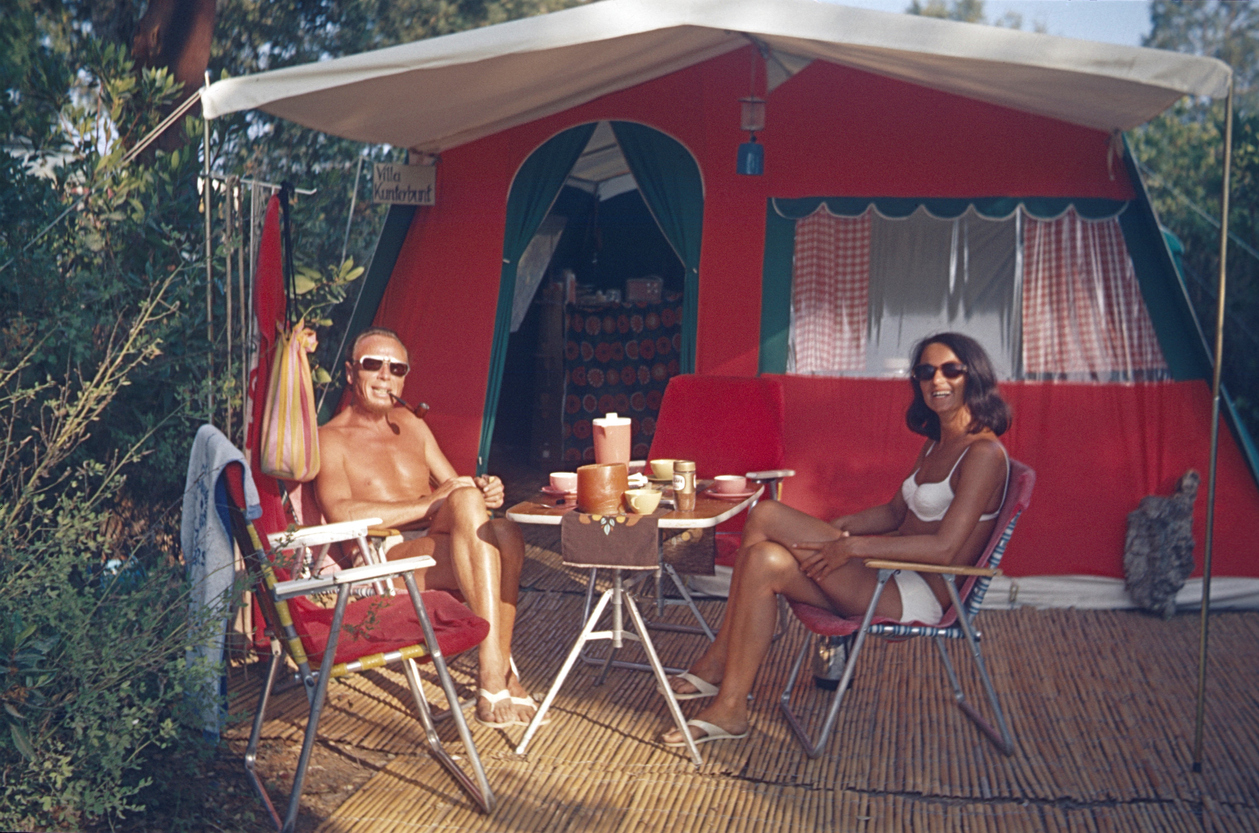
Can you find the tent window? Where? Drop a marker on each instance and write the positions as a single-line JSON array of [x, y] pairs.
[[1083, 315], [1050, 299]]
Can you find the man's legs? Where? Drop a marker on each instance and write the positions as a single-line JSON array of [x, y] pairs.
[[481, 558]]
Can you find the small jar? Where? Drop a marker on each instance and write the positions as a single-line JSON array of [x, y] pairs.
[[684, 484]]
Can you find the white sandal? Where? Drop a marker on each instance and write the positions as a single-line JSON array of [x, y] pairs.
[[494, 699], [703, 688]]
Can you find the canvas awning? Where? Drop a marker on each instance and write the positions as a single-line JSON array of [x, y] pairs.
[[438, 93]]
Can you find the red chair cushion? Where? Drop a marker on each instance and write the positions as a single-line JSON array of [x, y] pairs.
[[379, 624]]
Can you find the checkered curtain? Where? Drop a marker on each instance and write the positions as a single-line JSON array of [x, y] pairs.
[[1083, 315], [830, 292]]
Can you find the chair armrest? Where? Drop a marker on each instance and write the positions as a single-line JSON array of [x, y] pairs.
[[772, 474], [313, 536], [881, 564], [354, 575], [382, 532]]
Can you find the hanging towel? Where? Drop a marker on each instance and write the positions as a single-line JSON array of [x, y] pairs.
[[209, 559]]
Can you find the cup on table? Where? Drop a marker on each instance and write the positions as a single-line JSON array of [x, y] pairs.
[[642, 501], [730, 484], [662, 469], [564, 481]]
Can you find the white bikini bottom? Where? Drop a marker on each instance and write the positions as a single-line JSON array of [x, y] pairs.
[[918, 602]]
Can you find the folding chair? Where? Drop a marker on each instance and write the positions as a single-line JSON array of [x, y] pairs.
[[953, 626], [350, 639]]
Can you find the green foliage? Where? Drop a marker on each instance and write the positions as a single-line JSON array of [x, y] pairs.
[[93, 690], [1181, 154], [969, 11], [95, 675], [107, 365], [966, 11]]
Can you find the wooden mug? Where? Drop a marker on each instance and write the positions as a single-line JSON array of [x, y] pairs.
[[600, 486]]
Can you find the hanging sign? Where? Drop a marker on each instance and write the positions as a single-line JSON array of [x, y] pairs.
[[404, 184]]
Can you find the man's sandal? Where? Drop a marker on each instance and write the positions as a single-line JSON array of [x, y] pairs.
[[494, 699]]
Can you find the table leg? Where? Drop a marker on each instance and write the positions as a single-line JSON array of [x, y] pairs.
[[617, 596], [587, 633], [633, 666], [662, 681]]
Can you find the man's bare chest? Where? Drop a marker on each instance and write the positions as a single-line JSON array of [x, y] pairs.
[[387, 469]]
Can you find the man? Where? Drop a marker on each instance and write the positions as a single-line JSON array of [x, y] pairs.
[[381, 461]]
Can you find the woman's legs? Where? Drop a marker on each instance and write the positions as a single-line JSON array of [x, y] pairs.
[[767, 566], [768, 521]]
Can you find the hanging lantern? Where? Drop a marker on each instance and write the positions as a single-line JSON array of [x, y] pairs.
[[751, 159], [752, 114]]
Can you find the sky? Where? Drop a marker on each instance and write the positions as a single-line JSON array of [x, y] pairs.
[[1110, 21]]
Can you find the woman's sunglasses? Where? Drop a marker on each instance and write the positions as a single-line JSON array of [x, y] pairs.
[[951, 370], [374, 363]]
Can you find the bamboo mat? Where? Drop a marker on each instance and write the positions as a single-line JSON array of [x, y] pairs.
[[1101, 704]]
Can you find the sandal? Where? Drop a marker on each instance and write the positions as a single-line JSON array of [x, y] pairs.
[[703, 688], [711, 732], [494, 699], [531, 703]]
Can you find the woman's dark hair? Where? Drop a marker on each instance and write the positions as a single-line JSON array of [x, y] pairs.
[[987, 408]]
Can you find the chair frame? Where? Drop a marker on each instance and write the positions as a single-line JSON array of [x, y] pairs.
[[962, 627], [274, 598]]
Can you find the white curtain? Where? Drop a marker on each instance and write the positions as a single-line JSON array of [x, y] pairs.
[[1048, 299]]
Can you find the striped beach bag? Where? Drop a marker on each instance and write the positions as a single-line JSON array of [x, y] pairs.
[[290, 428]]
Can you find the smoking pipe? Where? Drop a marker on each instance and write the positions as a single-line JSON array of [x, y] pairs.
[[419, 410]]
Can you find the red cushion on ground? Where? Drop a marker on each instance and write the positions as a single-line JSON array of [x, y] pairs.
[[379, 624]]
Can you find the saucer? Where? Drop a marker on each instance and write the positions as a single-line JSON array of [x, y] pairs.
[[655, 479], [711, 492], [550, 490]]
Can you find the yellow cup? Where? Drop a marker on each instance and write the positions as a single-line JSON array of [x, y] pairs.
[[662, 469], [642, 501]]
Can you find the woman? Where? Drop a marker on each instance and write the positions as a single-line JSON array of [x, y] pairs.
[[942, 514]]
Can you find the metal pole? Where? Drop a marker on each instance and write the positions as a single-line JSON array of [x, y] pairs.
[[244, 328], [209, 266], [1215, 431], [349, 219]]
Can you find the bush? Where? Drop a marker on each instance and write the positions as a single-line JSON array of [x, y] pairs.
[[100, 364], [95, 676]]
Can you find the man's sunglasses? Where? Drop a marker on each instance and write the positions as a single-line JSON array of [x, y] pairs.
[[951, 370], [374, 363]]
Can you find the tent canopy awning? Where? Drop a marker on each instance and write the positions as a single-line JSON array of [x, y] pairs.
[[442, 92]]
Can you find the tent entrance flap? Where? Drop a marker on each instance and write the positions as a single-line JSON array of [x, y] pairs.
[[671, 190], [533, 191]]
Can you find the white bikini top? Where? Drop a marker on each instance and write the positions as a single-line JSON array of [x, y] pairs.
[[930, 501]]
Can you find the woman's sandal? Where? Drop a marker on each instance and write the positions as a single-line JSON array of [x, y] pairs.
[[702, 687], [711, 732]]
